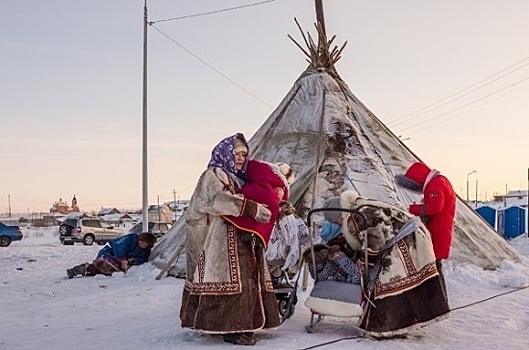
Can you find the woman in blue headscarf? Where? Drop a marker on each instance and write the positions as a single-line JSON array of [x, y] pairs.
[[228, 289]]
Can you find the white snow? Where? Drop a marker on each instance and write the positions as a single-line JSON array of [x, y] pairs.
[[42, 309]]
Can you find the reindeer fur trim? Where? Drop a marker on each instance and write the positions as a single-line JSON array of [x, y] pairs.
[[408, 183], [287, 172]]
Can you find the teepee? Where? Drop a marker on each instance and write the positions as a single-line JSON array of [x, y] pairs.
[[335, 143]]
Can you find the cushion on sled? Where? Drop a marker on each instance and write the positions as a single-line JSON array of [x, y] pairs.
[[335, 299]]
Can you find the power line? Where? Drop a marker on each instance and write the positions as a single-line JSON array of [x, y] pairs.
[[472, 109], [211, 67], [466, 105], [428, 108], [213, 12]]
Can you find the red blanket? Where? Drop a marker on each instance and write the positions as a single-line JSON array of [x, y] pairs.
[[262, 179]]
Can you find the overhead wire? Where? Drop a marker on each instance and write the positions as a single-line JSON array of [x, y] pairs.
[[427, 108], [466, 105], [472, 109], [406, 118], [211, 67], [359, 338], [151, 23], [213, 12]]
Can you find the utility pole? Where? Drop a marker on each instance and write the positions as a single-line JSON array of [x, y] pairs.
[[174, 204], [476, 194], [159, 220], [145, 192], [9, 204]]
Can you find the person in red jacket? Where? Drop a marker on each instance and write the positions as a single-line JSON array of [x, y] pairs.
[[438, 207]]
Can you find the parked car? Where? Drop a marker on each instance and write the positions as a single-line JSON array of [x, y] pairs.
[[9, 234], [87, 230], [156, 228]]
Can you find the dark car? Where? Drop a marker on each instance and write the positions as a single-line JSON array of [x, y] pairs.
[[9, 234], [87, 230], [156, 228]]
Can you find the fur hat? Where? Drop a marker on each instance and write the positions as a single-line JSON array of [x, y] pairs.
[[321, 252], [148, 238], [287, 171], [239, 146], [403, 181], [332, 215]]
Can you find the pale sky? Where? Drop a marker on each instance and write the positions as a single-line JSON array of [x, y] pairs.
[[71, 89]]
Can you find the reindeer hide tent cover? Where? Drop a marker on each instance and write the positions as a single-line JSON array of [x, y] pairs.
[[334, 143]]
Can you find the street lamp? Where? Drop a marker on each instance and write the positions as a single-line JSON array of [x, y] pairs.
[[468, 183]]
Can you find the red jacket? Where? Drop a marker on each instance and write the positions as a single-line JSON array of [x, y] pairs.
[[439, 208]]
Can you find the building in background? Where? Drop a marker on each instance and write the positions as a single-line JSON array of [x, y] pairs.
[[507, 213], [61, 207]]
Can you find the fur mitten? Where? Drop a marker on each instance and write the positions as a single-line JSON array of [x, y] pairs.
[[262, 215], [376, 237]]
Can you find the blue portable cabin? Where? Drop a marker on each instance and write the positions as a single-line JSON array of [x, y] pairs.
[[511, 221], [489, 214]]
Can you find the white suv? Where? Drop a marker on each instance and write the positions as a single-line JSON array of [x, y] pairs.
[[158, 229], [87, 231]]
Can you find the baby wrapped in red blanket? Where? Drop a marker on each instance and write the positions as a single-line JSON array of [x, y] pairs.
[[267, 184]]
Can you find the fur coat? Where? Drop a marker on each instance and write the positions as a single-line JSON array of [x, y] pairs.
[[228, 288], [408, 292]]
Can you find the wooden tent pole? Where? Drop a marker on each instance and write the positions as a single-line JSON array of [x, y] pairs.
[[319, 15], [170, 262]]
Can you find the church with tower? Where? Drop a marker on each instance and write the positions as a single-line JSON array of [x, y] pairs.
[[62, 207]]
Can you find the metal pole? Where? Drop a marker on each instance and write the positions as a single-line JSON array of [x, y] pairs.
[[178, 202], [159, 219], [145, 195], [174, 204], [467, 186], [527, 211], [476, 193], [470, 173]]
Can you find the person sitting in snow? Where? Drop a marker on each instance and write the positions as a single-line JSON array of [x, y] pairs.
[[117, 256]]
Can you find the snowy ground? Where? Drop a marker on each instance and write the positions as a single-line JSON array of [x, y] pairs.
[[42, 309]]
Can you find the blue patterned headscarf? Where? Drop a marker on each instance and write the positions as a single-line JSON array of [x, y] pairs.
[[223, 156]]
